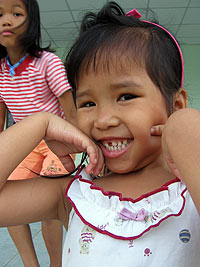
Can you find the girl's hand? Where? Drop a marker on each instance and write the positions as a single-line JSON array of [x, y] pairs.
[[63, 139], [159, 130]]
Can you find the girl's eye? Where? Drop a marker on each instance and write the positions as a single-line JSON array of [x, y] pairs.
[[126, 97], [17, 14], [87, 105]]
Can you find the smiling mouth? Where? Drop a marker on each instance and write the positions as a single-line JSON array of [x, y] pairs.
[[116, 145]]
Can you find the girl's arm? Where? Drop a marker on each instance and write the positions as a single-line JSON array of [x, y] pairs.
[[62, 137], [38, 199], [32, 200], [181, 148]]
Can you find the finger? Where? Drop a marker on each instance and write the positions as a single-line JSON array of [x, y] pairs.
[[157, 130], [91, 149], [96, 166], [100, 163], [96, 159]]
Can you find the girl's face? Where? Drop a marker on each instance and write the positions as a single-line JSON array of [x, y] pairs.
[[12, 14], [117, 110]]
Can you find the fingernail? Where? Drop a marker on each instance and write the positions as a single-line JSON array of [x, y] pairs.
[[153, 129]]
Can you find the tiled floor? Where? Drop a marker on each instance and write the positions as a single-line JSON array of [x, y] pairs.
[[9, 256]]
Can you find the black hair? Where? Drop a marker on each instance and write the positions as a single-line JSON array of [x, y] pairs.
[[31, 38], [110, 35]]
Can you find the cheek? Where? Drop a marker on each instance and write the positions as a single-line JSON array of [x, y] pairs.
[[83, 123], [140, 129], [159, 115], [80, 123], [146, 143]]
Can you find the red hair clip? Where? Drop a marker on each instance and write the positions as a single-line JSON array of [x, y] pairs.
[[134, 13]]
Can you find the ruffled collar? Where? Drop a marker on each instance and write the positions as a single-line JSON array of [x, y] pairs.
[[124, 218]]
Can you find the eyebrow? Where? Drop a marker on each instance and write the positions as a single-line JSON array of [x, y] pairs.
[[17, 5], [125, 84], [83, 93]]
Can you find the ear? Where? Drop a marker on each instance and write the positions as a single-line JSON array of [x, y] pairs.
[[180, 100]]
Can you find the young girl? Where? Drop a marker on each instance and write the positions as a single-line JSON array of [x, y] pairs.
[[127, 82], [32, 79]]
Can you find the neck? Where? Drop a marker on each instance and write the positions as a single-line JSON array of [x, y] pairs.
[[140, 182], [15, 55]]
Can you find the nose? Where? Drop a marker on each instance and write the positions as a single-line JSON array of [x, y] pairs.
[[6, 21], [106, 118]]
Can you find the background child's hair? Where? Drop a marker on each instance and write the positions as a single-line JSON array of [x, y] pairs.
[[112, 39], [31, 38]]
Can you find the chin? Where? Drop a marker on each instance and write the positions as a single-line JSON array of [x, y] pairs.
[[119, 169], [125, 167]]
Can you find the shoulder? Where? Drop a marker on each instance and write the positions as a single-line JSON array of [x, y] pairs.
[[47, 60], [46, 57], [49, 57]]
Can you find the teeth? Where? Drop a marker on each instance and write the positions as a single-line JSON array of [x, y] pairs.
[[125, 142], [116, 146]]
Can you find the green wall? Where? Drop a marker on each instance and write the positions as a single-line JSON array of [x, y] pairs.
[[61, 53], [191, 56]]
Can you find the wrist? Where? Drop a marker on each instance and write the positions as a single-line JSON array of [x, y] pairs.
[[37, 123]]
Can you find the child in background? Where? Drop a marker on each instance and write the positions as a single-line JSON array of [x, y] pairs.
[[126, 76], [32, 79]]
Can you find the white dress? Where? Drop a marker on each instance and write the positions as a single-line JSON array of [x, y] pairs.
[[161, 228]]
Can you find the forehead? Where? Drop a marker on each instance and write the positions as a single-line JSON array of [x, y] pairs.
[[12, 3], [110, 62], [115, 79]]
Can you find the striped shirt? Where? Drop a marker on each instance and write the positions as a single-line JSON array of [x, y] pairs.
[[36, 86]]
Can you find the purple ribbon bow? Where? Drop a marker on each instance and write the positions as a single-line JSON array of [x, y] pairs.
[[126, 214]]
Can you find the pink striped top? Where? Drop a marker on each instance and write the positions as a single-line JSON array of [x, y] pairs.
[[36, 86]]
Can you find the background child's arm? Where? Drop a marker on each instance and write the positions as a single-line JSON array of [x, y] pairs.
[[67, 104], [181, 147], [59, 85], [2, 115]]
